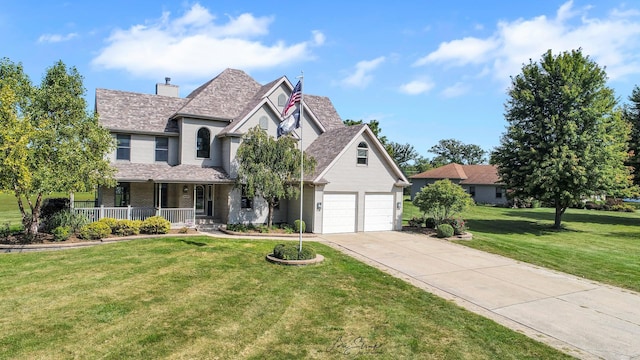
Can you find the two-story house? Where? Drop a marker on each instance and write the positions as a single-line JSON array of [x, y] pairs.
[[176, 156]]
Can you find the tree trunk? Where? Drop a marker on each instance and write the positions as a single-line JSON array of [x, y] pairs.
[[558, 218], [270, 214]]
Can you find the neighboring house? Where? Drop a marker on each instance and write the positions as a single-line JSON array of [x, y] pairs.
[[481, 181], [176, 157]]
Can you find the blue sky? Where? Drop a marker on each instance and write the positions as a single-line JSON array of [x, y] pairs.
[[426, 70]]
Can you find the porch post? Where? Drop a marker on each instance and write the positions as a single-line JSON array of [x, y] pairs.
[[194, 205], [101, 211], [128, 212], [71, 200], [160, 199]]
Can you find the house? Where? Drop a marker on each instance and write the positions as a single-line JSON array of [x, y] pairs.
[[481, 181], [176, 157]]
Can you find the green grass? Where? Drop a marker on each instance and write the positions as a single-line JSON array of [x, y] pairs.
[[597, 245], [9, 212], [205, 298]]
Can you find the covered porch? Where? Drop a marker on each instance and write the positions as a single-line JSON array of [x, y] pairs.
[[186, 195]]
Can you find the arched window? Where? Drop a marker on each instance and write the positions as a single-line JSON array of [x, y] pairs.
[[203, 143], [363, 150], [282, 100], [264, 123]]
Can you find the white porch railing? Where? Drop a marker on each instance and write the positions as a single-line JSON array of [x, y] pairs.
[[182, 216]]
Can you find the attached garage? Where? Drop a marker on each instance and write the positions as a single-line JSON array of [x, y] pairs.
[[339, 213], [378, 212]]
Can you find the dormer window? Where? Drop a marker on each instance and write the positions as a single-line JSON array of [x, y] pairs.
[[203, 143], [363, 153]]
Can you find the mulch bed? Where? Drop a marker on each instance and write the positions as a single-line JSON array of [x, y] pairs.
[[45, 238], [432, 233]]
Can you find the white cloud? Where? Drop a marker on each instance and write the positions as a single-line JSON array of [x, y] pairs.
[[416, 87], [612, 41], [457, 89], [55, 38], [196, 44], [361, 77]]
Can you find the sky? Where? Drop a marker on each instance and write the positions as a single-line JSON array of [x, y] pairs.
[[426, 70]]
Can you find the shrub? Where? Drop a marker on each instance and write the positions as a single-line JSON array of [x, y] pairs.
[[431, 223], [442, 199], [289, 251], [66, 218], [155, 225], [127, 227], [458, 224], [415, 221], [5, 230], [53, 206], [263, 229], [298, 223], [61, 233], [444, 231], [183, 230], [95, 231], [111, 222]]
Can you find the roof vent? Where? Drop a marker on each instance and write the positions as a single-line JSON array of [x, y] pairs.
[[167, 81]]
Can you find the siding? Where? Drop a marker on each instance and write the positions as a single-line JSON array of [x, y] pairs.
[[188, 134]]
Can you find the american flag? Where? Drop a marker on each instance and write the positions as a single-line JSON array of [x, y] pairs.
[[296, 94]]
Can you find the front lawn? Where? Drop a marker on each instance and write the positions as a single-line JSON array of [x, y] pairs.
[[205, 298]]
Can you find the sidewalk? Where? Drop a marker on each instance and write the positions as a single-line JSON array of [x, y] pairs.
[[583, 318]]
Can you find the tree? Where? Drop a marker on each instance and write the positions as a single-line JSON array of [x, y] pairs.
[[374, 125], [565, 140], [442, 199], [49, 141], [631, 113], [454, 151], [270, 168], [402, 154]]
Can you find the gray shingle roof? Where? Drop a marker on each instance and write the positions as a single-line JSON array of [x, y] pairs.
[[167, 173], [324, 110], [122, 110], [223, 97], [328, 145]]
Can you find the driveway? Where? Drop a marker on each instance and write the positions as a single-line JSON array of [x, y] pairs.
[[584, 318]]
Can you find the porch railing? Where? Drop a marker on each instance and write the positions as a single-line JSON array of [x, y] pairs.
[[175, 216]]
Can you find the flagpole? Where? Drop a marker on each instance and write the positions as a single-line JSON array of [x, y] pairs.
[[301, 162]]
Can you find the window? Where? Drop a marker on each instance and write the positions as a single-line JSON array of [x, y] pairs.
[[498, 193], [122, 195], [123, 150], [162, 149], [472, 191], [264, 123], [245, 202], [203, 143], [363, 150], [161, 191], [282, 100]]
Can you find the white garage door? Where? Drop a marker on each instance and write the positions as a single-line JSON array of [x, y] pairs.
[[378, 212], [339, 213]]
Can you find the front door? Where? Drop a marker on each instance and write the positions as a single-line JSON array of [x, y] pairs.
[[200, 204]]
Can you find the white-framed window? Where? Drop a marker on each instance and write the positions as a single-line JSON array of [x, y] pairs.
[[123, 150], [122, 196], [362, 157], [282, 100], [203, 143], [162, 148]]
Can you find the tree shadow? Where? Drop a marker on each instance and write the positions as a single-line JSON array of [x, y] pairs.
[[520, 227], [593, 217], [195, 243]]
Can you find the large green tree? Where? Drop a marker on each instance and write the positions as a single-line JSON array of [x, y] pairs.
[[565, 140], [48, 140], [270, 168], [454, 151], [442, 199], [631, 113]]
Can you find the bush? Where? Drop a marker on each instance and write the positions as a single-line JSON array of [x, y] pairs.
[[95, 231], [5, 230], [264, 229], [53, 206], [127, 227], [289, 251], [444, 231], [61, 233], [183, 230], [458, 224], [111, 222], [415, 221], [297, 224], [65, 218], [155, 225], [430, 223]]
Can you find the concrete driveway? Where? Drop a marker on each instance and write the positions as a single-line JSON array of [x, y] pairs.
[[584, 318]]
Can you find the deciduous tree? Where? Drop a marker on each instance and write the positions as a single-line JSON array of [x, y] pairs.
[[270, 168], [49, 141], [565, 140], [454, 151], [442, 199], [631, 113]]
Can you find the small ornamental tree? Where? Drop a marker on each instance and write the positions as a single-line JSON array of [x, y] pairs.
[[270, 168], [442, 199]]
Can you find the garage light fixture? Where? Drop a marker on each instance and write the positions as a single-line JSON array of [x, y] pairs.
[[398, 205], [319, 206]]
